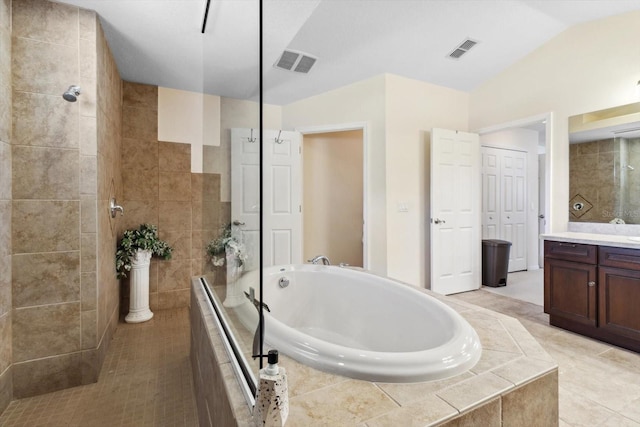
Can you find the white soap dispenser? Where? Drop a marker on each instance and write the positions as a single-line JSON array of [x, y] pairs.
[[272, 400]]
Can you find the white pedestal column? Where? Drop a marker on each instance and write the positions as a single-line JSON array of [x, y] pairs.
[[235, 295], [139, 292]]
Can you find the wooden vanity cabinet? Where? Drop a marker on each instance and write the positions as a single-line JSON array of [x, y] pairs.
[[570, 274], [619, 292], [594, 290]]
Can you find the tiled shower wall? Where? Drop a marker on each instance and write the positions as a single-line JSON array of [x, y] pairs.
[[6, 387], [56, 145], [108, 133], [160, 189], [592, 178]]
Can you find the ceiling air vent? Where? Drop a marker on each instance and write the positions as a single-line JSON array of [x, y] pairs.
[[462, 48], [295, 61]]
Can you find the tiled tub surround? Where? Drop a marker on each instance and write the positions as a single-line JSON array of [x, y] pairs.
[[514, 382]]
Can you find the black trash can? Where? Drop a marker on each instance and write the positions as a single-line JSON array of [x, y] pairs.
[[495, 262]]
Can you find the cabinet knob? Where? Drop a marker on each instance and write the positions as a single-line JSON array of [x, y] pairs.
[[591, 284]]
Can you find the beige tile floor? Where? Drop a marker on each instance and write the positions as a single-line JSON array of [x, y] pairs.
[[145, 381], [599, 383], [146, 377]]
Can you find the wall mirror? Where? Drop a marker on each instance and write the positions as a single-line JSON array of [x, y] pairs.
[[604, 166]]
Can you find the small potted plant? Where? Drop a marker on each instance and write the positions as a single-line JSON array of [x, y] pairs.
[[133, 254], [228, 248]]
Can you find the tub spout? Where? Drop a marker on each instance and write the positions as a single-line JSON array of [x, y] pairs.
[[319, 258]]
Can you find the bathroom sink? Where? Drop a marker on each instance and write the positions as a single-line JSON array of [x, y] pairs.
[[635, 238]]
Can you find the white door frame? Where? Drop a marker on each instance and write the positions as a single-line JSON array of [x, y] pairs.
[[365, 143], [548, 118]]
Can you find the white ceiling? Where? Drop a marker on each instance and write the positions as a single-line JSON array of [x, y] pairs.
[[159, 41]]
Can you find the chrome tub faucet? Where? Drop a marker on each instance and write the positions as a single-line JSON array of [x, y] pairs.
[[318, 258]]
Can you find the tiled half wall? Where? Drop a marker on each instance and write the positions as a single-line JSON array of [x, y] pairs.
[[160, 189]]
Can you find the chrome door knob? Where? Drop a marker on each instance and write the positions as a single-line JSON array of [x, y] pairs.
[[439, 221]]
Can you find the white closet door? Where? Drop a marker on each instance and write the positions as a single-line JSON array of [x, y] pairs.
[[504, 178], [490, 194], [513, 215]]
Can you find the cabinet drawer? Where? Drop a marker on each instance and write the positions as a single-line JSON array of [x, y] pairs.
[[571, 251], [619, 257]]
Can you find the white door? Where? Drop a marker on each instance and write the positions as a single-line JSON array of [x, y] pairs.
[[282, 197], [490, 195], [513, 215], [245, 194], [504, 178], [282, 220], [455, 212]]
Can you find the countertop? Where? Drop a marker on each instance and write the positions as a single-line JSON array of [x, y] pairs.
[[594, 239]]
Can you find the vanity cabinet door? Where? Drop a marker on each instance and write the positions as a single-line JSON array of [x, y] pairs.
[[570, 291], [619, 299]]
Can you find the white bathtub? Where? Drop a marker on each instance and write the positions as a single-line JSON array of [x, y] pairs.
[[364, 326]]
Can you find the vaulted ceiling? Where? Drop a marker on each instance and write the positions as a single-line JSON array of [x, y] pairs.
[[160, 41]]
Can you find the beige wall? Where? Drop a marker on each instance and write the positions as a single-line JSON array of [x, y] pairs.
[[60, 308], [362, 102], [413, 108], [189, 118], [399, 113], [332, 196], [6, 386], [589, 67]]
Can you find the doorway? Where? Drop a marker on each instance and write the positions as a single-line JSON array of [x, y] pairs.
[[538, 203], [333, 189]]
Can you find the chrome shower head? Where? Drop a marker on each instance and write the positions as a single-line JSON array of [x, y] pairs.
[[72, 93]]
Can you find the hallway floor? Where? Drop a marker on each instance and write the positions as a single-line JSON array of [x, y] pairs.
[[145, 381]]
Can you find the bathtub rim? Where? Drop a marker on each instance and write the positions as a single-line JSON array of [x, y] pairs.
[[372, 365]]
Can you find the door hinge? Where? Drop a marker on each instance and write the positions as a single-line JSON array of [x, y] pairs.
[[299, 150], [300, 208]]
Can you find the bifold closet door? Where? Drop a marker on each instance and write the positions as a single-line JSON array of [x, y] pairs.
[[504, 178]]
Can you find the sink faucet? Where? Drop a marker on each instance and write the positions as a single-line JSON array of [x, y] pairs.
[[318, 258]]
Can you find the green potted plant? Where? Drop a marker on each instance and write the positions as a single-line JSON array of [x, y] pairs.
[[228, 248], [133, 255]]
